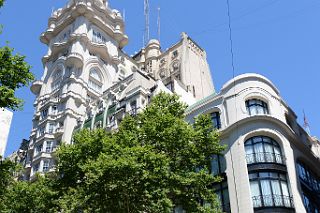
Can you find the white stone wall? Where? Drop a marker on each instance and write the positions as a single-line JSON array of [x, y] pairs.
[[5, 124]]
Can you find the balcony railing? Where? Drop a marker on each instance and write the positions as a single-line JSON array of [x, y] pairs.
[[265, 157], [264, 201]]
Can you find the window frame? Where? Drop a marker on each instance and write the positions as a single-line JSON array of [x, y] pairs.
[[256, 107], [95, 83], [264, 155], [286, 199], [216, 119], [46, 166]]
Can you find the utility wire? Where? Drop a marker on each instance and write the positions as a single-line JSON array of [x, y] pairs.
[[231, 41], [235, 100]]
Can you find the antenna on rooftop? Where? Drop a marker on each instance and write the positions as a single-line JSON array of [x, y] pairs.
[[124, 14], [146, 36], [159, 25], [306, 123], [52, 10]]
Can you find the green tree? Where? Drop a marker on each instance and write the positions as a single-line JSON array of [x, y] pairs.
[[14, 74], [154, 162], [36, 197], [7, 168]]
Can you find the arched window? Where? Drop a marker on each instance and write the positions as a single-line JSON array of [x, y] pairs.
[[262, 149], [56, 80], [270, 189], [95, 80], [257, 107]]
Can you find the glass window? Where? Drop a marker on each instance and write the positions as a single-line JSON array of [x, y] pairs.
[[218, 165], [268, 189], [56, 80], [221, 190], [36, 168], [95, 81], [41, 131], [256, 107], [51, 128], [262, 149], [46, 164], [44, 113], [310, 186], [216, 121], [133, 108], [97, 37], [38, 149], [49, 145]]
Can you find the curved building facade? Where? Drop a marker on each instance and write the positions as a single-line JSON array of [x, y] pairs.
[[272, 164]]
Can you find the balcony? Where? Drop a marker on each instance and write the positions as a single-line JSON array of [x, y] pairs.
[[36, 87], [265, 157], [274, 201], [75, 59], [59, 131]]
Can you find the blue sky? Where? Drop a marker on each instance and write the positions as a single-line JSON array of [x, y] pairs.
[[279, 39]]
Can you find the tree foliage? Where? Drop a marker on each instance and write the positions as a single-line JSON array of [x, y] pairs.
[[154, 162], [14, 74], [29, 197]]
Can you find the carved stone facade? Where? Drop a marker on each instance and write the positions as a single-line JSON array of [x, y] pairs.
[[87, 73]]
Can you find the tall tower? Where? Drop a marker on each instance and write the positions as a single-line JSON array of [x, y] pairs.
[[84, 59]]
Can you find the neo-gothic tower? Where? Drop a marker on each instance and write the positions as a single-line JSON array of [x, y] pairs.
[[88, 81], [84, 58]]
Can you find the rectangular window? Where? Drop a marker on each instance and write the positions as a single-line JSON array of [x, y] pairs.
[[51, 128], [44, 113], [41, 131], [45, 167], [49, 146], [133, 108], [38, 149], [36, 168], [216, 121]]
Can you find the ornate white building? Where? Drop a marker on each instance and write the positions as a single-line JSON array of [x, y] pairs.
[[87, 75], [271, 164]]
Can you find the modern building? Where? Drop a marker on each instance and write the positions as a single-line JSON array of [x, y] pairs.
[[271, 164], [5, 124]]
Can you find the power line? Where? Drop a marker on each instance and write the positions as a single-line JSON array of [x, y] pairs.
[[235, 100], [239, 17], [231, 41]]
